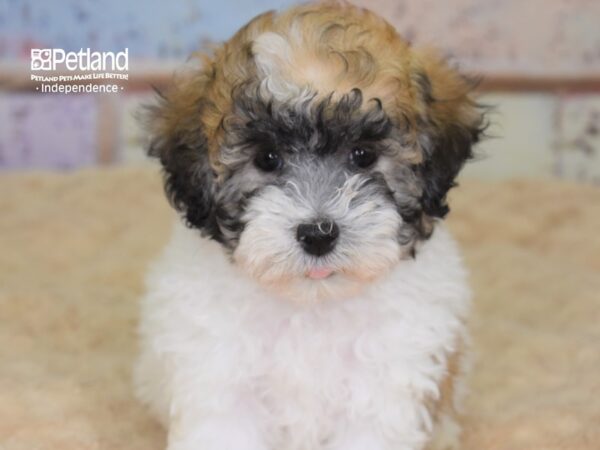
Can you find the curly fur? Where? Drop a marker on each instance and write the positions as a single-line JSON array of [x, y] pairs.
[[242, 348]]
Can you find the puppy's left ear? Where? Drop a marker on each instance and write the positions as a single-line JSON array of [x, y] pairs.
[[452, 122]]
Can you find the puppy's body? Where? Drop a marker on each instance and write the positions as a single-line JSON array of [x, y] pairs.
[[228, 365], [315, 302]]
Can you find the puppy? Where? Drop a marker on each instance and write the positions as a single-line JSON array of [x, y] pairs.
[[312, 298]]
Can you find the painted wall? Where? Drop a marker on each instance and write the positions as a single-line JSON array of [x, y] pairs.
[[537, 135], [151, 29], [532, 36], [524, 36]]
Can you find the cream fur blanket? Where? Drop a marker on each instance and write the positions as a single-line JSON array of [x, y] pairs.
[[74, 248]]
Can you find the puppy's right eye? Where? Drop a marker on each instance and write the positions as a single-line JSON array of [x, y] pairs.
[[363, 158], [268, 161]]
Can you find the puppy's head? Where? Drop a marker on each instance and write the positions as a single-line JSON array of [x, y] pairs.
[[316, 146]]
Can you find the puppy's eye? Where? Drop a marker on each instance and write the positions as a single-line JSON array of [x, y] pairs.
[[362, 157], [268, 161]]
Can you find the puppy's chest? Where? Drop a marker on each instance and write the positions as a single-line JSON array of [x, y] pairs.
[[335, 359]]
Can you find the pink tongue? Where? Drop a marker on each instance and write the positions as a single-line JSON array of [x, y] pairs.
[[319, 273]]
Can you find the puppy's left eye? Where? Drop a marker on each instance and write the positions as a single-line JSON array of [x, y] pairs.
[[268, 161], [362, 157]]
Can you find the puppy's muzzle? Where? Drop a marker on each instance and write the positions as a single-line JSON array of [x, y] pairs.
[[319, 237]]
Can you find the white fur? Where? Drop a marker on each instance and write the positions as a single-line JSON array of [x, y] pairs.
[[272, 53], [229, 365], [273, 56], [367, 246]]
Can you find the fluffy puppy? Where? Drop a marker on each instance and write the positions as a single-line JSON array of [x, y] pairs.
[[312, 299]]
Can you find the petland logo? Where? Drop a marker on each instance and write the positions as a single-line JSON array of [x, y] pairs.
[[84, 71], [83, 60]]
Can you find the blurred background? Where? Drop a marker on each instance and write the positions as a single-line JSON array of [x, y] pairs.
[[540, 61]]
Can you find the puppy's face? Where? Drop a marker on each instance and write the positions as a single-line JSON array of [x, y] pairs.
[[316, 147]]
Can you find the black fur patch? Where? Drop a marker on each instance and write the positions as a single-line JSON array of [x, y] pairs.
[[189, 183], [321, 127], [451, 148]]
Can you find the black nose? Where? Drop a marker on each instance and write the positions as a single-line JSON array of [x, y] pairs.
[[318, 238]]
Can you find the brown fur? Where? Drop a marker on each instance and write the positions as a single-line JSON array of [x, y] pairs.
[[336, 47]]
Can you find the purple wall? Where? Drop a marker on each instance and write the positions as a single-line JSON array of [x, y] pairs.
[[42, 130]]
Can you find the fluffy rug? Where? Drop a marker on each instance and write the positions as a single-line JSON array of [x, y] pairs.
[[74, 248]]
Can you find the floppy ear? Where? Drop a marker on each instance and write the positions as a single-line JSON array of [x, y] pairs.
[[179, 142], [453, 123]]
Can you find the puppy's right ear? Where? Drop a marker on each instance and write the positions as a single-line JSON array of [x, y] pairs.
[[179, 142]]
